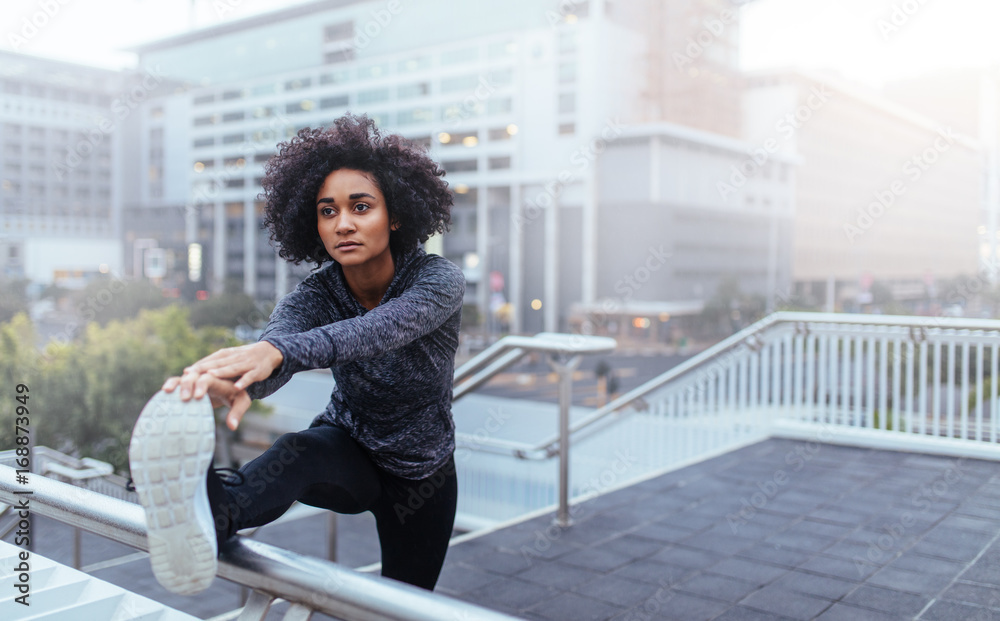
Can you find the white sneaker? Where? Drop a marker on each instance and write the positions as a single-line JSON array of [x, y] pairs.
[[171, 449]]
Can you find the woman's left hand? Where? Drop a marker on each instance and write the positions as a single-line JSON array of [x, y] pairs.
[[245, 365]]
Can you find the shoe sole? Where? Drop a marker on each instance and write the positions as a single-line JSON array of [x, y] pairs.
[[171, 450]]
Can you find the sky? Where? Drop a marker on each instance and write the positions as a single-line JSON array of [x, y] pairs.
[[871, 41]]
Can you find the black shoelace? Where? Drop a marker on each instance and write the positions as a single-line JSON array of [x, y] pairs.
[[228, 476]]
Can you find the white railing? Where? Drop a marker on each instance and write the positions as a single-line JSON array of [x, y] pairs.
[[917, 383]]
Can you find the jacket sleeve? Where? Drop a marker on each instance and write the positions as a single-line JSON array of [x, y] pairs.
[[435, 295], [297, 312]]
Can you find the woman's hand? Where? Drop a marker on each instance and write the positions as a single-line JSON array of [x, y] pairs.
[[245, 365], [222, 392]]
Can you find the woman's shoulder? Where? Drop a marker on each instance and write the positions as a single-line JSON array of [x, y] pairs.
[[435, 267]]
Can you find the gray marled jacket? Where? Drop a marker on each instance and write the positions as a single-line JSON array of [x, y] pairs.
[[393, 364]]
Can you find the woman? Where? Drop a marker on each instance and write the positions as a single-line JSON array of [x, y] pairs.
[[383, 316]]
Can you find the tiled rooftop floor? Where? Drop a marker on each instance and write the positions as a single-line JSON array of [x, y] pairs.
[[778, 530]]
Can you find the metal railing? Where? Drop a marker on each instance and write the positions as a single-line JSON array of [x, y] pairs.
[[308, 584], [923, 383]]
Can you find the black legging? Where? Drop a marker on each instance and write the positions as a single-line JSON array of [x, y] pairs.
[[324, 467]]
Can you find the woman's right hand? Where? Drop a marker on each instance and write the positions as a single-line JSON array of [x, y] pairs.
[[222, 392]]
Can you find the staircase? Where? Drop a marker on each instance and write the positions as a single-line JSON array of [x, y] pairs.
[[59, 593]]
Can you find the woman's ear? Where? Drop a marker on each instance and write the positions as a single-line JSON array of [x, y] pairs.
[[394, 226]]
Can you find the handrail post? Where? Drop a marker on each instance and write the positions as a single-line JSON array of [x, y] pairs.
[[565, 371]]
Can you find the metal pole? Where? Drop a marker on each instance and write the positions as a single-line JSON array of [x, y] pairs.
[[565, 372], [331, 536]]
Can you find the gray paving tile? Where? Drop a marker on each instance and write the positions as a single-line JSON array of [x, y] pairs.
[[559, 576], [509, 594], [742, 613], [915, 562], [575, 607], [845, 612], [918, 583], [776, 555], [619, 591], [751, 571], [631, 546], [954, 611], [855, 571], [459, 578], [653, 572], [974, 594], [886, 600], [687, 607], [787, 603], [687, 557], [713, 586], [826, 587], [595, 559]]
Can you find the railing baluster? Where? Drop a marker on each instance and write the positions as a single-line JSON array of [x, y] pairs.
[[924, 412], [910, 384], [256, 607], [951, 385], [755, 388], [857, 363], [870, 405], [845, 382], [897, 402], [992, 395], [980, 397], [963, 399], [821, 378], [798, 369], [786, 372], [936, 409], [883, 384], [810, 364]]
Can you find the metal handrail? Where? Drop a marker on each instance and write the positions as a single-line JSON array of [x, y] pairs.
[[308, 583], [748, 337]]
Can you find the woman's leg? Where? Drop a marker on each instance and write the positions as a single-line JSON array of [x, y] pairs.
[[415, 520], [321, 466]]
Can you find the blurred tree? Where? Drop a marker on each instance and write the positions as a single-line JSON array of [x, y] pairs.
[[729, 310], [107, 298], [87, 394]]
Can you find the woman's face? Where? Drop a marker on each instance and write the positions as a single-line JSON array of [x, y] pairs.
[[352, 219]]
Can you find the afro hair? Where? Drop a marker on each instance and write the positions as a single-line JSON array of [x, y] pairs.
[[417, 197]]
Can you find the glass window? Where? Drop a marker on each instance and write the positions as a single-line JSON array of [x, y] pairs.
[[567, 72], [230, 117], [415, 115], [233, 94], [502, 77], [418, 89], [463, 55], [501, 105], [232, 138], [502, 49], [460, 83], [373, 71], [567, 128], [205, 120], [499, 162], [499, 133], [339, 56], [340, 101], [335, 77], [373, 96], [452, 166], [263, 89], [338, 31], [567, 103], [298, 84], [203, 99], [414, 64]]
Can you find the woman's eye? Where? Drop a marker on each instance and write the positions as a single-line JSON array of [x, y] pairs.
[[326, 211], [362, 207]]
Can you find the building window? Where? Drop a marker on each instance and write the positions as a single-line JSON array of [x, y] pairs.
[[499, 162], [339, 56], [502, 49], [295, 85], [373, 71], [302, 106], [500, 133], [338, 32], [419, 89], [335, 77], [232, 138], [230, 117], [567, 103], [414, 64], [567, 72], [203, 99], [156, 112], [263, 89], [463, 55], [205, 120], [235, 183], [464, 83], [566, 129], [373, 96], [454, 166], [233, 94], [340, 101], [415, 115], [502, 105]]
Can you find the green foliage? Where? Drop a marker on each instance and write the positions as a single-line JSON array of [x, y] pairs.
[[890, 423], [987, 390], [471, 316], [86, 394], [107, 299], [730, 310]]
